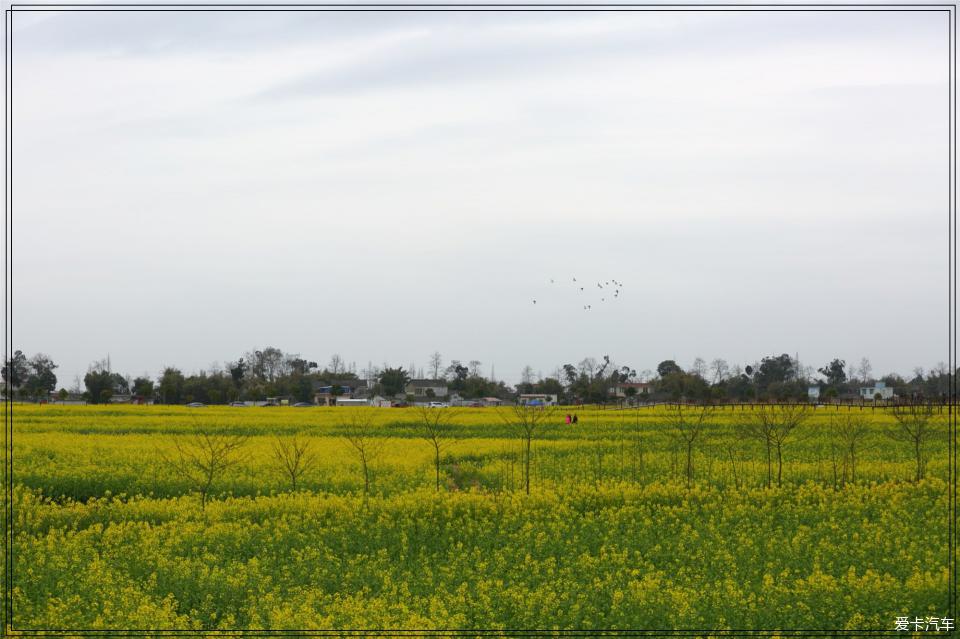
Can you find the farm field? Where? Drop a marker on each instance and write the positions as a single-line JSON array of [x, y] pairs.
[[620, 529]]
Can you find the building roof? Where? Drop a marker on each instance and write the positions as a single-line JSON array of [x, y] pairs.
[[352, 383], [427, 383]]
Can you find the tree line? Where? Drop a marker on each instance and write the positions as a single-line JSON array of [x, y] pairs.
[[269, 372]]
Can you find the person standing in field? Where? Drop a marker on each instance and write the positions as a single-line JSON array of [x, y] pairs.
[[568, 418], [574, 418]]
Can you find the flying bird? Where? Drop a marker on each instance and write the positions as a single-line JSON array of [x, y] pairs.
[[534, 301]]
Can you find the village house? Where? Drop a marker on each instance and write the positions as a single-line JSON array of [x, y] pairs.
[[538, 399], [329, 393], [622, 390], [420, 388], [880, 388]]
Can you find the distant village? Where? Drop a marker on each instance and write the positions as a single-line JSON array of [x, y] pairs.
[[270, 377]]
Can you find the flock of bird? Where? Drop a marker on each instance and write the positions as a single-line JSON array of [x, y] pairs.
[[603, 286]]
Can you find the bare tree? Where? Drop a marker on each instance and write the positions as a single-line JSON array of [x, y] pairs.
[[359, 428], [336, 366], [436, 427], [865, 370], [773, 426], [436, 364], [850, 430], [474, 366], [914, 424], [699, 368], [204, 457], [720, 370], [687, 425], [294, 458], [526, 419], [587, 366], [526, 375]]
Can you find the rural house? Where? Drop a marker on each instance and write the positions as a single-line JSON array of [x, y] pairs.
[[622, 389], [326, 393], [880, 388], [538, 399], [419, 388]]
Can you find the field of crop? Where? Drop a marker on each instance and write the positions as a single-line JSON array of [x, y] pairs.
[[629, 522]]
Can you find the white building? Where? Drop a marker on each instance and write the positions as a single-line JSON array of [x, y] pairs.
[[813, 393], [419, 387], [881, 389]]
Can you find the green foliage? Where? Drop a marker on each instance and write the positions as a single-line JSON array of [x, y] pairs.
[[393, 380]]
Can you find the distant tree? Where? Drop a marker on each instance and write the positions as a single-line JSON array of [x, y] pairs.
[[834, 372], [436, 365], [699, 368], [294, 457], [359, 430], [774, 369], [15, 371], [850, 430], [41, 380], [430, 393], [668, 366], [773, 426], [203, 458], [475, 367], [171, 386], [457, 373], [687, 426], [914, 425], [393, 380], [526, 375], [719, 370], [143, 387], [436, 427], [63, 394], [237, 371], [526, 420], [99, 382], [570, 374], [587, 366], [865, 371]]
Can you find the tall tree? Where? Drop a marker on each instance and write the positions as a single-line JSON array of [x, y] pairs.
[[526, 420], [719, 370], [668, 366], [436, 365], [15, 370], [41, 380], [143, 387], [360, 432], [436, 427], [171, 386], [772, 370], [914, 425], [393, 380], [687, 426], [834, 372]]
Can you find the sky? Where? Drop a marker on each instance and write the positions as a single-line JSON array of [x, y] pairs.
[[383, 185]]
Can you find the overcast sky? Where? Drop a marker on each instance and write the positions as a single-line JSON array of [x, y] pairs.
[[189, 186]]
